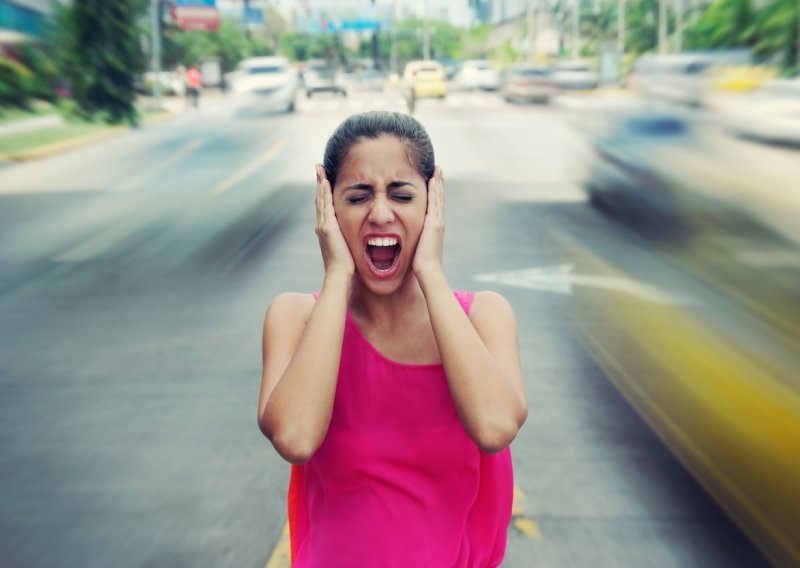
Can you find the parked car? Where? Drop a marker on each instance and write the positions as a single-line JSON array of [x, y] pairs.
[[424, 79], [477, 74], [324, 79], [526, 82], [269, 83], [574, 75]]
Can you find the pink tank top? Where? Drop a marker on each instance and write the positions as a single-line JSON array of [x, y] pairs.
[[397, 481]]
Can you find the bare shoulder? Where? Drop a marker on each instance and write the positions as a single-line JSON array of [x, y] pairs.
[[490, 307], [289, 309]]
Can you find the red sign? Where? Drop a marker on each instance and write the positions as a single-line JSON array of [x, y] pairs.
[[195, 18]]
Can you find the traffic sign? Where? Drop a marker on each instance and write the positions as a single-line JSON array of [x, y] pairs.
[[195, 17]]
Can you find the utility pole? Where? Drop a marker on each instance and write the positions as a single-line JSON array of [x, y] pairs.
[[679, 26], [394, 37], [531, 32], [621, 27], [662, 26], [426, 34], [374, 41], [155, 50], [575, 25]]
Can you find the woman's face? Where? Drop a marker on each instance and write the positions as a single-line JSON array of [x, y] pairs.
[[380, 200]]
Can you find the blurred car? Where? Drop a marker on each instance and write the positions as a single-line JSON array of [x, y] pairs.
[[424, 79], [324, 79], [626, 174], [770, 114], [372, 80], [477, 74], [526, 82], [270, 83], [171, 83], [676, 78], [574, 75]]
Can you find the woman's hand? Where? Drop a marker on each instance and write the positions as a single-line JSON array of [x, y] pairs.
[[428, 258], [335, 253]]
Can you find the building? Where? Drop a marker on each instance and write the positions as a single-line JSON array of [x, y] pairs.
[[23, 20]]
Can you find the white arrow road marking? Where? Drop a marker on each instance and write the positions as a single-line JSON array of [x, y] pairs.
[[560, 279]]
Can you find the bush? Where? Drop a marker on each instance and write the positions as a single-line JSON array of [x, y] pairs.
[[16, 83]]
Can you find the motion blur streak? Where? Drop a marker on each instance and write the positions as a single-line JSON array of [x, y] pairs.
[[713, 196]]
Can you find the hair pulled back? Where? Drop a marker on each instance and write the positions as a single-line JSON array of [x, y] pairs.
[[374, 124]]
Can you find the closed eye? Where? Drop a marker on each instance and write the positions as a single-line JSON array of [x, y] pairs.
[[359, 198], [404, 197]]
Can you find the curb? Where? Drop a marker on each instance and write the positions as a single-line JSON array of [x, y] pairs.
[[78, 141]]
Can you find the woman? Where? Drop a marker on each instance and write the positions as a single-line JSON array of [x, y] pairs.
[[395, 398]]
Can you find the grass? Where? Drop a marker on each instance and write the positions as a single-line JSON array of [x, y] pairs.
[[26, 144], [39, 108], [26, 141]]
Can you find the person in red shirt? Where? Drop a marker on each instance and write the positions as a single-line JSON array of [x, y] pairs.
[[193, 84]]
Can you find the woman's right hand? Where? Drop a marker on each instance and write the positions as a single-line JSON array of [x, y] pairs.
[[335, 252]]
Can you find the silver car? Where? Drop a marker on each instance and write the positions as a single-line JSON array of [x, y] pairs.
[[525, 83], [266, 83]]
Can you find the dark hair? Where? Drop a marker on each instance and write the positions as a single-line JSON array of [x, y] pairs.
[[374, 124]]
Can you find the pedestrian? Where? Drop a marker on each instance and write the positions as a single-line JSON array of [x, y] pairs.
[[394, 397], [194, 81]]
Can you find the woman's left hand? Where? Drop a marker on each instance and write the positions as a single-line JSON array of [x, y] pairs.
[[428, 257]]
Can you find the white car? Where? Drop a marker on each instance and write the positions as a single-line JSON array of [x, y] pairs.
[[268, 83], [477, 74], [571, 75], [770, 113]]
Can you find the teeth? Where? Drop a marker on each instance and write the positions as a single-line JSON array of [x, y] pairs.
[[382, 242]]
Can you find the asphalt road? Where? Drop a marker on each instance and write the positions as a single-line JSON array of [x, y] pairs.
[[134, 275]]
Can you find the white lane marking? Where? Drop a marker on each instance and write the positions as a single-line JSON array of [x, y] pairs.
[[161, 166], [241, 174], [560, 279]]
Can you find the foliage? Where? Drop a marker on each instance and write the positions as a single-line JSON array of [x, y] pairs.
[[641, 26], [229, 43], [768, 31], [45, 76], [99, 55], [15, 83]]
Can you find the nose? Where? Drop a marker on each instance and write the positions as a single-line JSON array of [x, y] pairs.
[[381, 212]]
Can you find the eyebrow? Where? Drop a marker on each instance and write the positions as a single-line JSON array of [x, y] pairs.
[[365, 186]]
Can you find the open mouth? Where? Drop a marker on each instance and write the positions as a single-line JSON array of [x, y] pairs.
[[383, 254]]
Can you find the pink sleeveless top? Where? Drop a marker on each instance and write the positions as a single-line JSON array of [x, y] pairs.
[[397, 481]]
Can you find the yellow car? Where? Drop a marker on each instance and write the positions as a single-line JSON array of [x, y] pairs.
[[425, 79]]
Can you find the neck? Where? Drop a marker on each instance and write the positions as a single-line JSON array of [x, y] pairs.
[[386, 308]]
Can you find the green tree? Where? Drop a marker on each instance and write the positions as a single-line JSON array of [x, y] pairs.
[[641, 26], [723, 24], [100, 57], [774, 33]]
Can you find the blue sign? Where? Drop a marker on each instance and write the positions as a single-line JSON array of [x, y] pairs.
[[253, 16], [209, 3]]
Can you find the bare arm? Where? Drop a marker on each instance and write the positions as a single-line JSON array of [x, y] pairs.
[[480, 353], [301, 364], [302, 347]]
